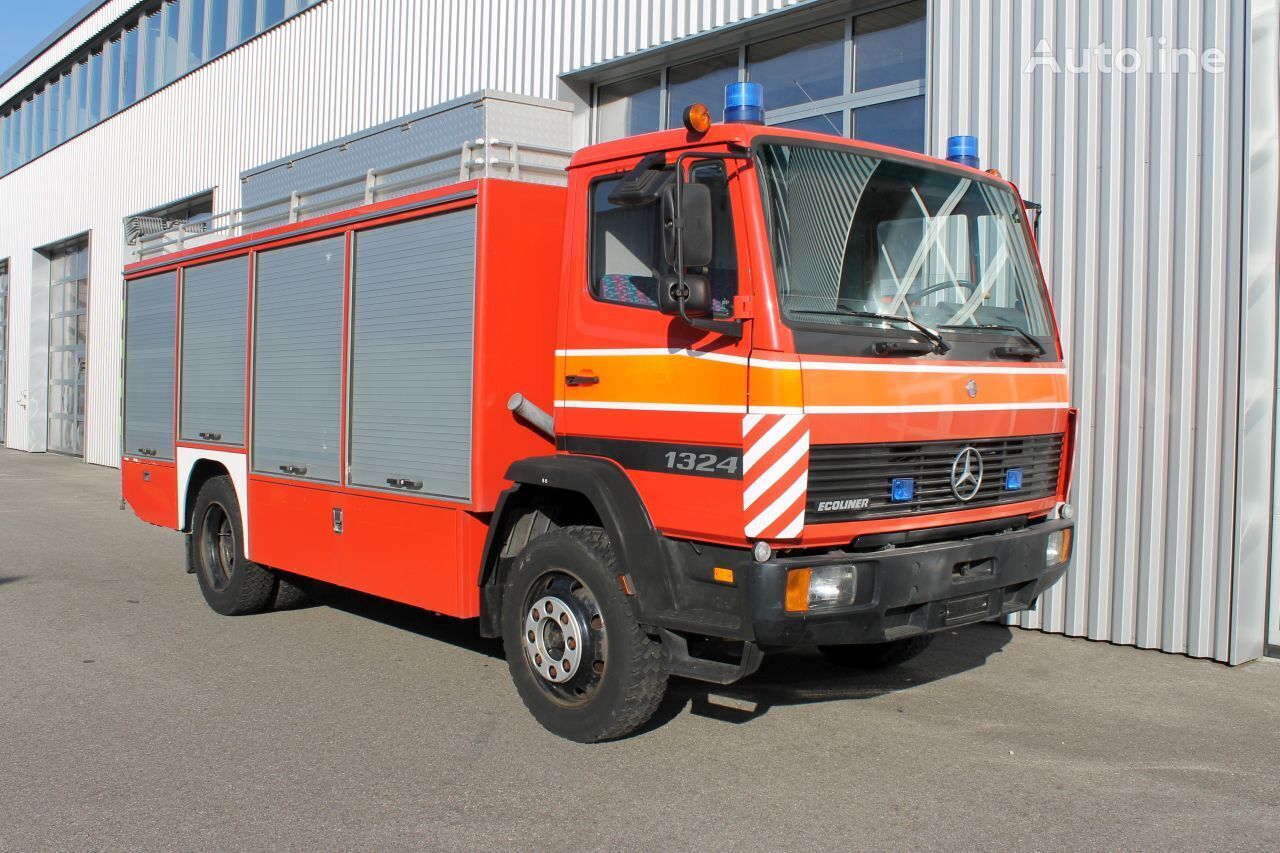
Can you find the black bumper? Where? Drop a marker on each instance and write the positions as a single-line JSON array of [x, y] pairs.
[[900, 592], [911, 590]]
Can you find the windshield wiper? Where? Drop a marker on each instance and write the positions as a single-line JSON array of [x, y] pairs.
[[1007, 352], [890, 347]]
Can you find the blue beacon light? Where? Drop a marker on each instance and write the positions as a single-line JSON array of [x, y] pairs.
[[963, 150], [744, 103], [902, 489], [1013, 479]]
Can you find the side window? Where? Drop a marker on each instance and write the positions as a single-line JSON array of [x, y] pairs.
[[626, 246]]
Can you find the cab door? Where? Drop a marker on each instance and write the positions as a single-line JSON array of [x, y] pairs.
[[663, 400]]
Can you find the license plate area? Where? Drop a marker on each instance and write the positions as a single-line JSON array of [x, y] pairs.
[[970, 569], [961, 611]]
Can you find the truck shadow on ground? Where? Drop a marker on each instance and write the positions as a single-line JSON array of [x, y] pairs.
[[795, 677], [803, 676]]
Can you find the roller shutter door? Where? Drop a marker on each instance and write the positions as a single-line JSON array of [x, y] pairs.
[[413, 311], [150, 330], [297, 394], [215, 304]]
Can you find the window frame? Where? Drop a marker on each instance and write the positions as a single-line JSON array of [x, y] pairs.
[[846, 103], [593, 234]]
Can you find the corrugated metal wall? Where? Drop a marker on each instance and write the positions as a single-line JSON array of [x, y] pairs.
[[1140, 175], [340, 67]]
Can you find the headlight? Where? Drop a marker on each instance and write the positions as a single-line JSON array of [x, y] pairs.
[[821, 586], [1058, 548]]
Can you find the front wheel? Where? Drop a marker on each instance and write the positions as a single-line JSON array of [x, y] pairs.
[[579, 660]]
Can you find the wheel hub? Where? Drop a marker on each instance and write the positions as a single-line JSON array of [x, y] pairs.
[[554, 638]]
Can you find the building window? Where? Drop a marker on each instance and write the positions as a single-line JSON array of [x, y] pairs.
[[700, 82], [897, 123], [862, 76], [801, 68], [168, 227], [155, 46], [889, 47], [630, 107]]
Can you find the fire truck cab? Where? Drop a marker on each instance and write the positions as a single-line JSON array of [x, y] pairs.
[[734, 389]]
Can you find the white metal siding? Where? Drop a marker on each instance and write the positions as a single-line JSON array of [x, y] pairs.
[[339, 67], [1140, 178]]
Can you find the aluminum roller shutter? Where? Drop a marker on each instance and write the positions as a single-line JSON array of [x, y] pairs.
[[150, 332], [215, 306], [297, 393], [413, 303]]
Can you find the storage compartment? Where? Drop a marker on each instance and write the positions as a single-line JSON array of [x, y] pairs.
[[413, 306], [215, 311], [297, 368], [150, 330]]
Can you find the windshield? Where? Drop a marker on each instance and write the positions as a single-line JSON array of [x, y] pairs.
[[856, 233]]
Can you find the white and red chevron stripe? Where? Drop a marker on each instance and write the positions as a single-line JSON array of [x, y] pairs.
[[775, 475]]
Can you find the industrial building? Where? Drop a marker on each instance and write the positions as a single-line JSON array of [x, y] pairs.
[[1148, 132]]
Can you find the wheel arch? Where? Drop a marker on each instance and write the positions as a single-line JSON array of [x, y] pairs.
[[556, 491], [202, 472]]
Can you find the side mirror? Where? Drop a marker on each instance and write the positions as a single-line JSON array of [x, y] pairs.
[[695, 289], [696, 233]]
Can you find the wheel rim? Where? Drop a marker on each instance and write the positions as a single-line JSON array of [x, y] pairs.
[[217, 547], [564, 638]]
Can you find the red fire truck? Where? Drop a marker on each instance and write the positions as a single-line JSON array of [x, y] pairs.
[[733, 389]]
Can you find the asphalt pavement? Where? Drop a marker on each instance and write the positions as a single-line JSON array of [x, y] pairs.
[[133, 717]]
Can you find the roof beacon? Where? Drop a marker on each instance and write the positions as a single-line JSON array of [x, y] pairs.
[[963, 150], [744, 103]]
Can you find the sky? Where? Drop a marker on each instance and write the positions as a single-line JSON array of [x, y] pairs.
[[27, 22]]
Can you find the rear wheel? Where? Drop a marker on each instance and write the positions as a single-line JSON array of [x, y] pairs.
[[215, 551], [877, 655], [581, 663]]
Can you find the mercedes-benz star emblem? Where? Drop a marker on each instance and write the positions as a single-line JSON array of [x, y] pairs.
[[972, 387], [966, 474]]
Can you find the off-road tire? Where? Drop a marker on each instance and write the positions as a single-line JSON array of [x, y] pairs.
[[877, 655], [231, 584], [628, 688], [291, 592]]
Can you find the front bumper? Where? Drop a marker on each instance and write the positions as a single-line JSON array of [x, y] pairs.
[[900, 591], [907, 591]]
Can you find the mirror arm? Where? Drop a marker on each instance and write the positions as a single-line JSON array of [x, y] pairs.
[[731, 328]]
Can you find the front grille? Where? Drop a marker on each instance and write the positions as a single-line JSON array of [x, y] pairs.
[[842, 476]]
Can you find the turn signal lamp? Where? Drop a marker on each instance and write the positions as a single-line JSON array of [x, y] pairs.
[[1057, 551], [697, 118], [819, 587], [744, 103]]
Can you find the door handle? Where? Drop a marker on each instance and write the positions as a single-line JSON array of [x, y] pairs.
[[576, 379], [211, 436], [404, 483]]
